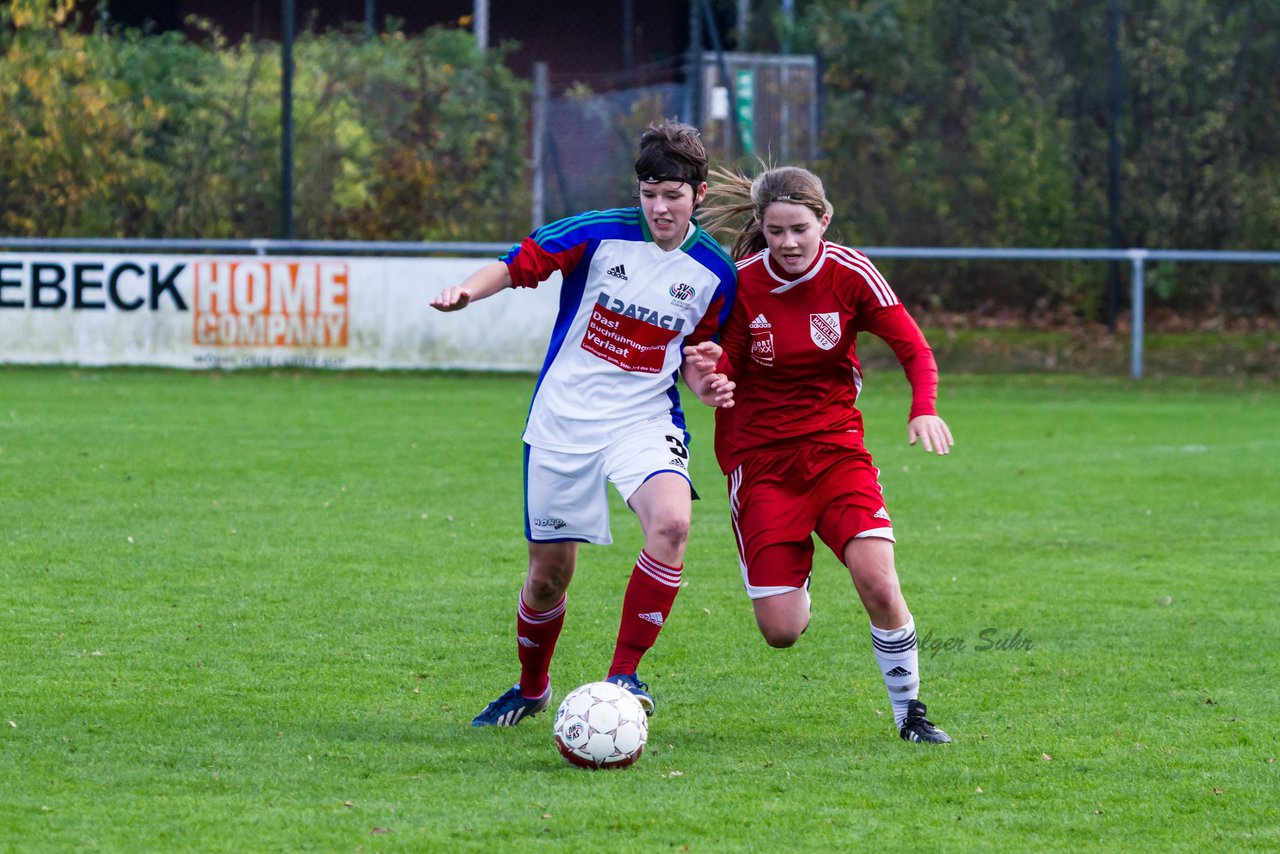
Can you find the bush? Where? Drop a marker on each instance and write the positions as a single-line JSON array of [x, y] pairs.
[[124, 134], [986, 124]]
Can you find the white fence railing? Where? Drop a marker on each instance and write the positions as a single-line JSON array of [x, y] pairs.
[[1137, 258]]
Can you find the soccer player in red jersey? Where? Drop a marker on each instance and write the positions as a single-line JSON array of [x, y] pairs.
[[791, 442]]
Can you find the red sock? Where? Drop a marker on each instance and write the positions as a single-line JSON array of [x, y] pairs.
[[650, 595], [536, 634]]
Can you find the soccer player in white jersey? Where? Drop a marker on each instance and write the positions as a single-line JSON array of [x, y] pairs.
[[639, 284], [792, 443]]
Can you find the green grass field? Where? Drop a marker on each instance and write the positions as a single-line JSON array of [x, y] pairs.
[[257, 611]]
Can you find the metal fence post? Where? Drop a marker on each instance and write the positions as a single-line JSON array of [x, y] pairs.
[[1139, 259], [286, 120], [541, 97], [691, 111], [480, 23]]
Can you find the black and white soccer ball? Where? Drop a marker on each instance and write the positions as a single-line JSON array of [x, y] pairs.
[[600, 725]]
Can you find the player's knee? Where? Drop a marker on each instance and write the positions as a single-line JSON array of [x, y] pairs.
[[543, 591], [781, 640], [671, 531], [548, 581], [782, 636]]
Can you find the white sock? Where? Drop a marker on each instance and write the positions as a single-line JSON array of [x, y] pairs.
[[897, 654]]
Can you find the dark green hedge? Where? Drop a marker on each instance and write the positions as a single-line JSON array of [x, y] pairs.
[[982, 123], [119, 134], [985, 123]]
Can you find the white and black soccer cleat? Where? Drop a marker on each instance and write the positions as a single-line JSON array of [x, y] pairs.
[[917, 728]]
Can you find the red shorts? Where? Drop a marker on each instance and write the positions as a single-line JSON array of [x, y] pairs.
[[780, 497]]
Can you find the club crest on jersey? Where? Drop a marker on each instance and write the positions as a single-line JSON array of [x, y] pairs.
[[761, 340], [682, 292], [824, 329]]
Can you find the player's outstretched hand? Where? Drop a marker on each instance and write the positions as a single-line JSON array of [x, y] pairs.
[[932, 432], [452, 299]]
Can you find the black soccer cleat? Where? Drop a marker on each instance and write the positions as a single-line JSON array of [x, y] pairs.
[[917, 728]]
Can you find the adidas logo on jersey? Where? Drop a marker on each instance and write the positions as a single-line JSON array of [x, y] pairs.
[[882, 513], [654, 617], [618, 272], [761, 340]]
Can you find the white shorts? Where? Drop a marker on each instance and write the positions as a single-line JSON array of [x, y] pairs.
[[565, 497]]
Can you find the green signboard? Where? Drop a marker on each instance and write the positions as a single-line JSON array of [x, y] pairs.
[[745, 93]]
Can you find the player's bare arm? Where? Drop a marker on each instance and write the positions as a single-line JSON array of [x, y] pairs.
[[485, 282], [932, 432]]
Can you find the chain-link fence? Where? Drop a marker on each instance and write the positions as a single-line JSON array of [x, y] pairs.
[[747, 105], [584, 150], [760, 105]]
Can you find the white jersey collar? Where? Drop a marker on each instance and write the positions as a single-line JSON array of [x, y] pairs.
[[689, 232]]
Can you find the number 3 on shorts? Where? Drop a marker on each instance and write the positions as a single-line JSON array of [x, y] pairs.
[[678, 448]]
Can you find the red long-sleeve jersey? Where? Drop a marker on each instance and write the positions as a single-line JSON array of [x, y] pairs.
[[791, 346]]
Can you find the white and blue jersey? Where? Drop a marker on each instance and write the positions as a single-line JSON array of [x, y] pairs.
[[627, 309]]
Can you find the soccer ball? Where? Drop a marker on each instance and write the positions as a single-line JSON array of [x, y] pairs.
[[600, 725]]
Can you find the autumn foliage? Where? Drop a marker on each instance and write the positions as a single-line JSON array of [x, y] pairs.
[[124, 134]]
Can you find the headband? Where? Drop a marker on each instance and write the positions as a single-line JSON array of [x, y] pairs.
[[659, 179]]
